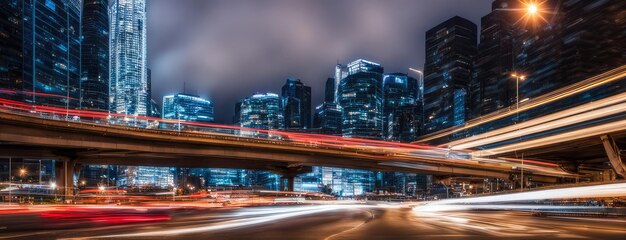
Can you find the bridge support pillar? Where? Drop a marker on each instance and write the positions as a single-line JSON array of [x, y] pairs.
[[613, 152], [288, 174], [64, 172], [286, 183]]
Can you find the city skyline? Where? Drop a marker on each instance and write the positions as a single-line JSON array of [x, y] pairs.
[[334, 32]]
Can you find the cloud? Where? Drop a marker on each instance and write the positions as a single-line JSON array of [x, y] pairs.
[[230, 49]]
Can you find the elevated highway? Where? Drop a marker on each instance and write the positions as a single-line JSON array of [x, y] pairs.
[[581, 127], [74, 141]]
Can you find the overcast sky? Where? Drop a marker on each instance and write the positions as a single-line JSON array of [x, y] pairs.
[[230, 49]]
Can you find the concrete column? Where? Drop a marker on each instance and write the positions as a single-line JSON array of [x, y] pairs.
[[286, 183], [613, 153], [64, 173]]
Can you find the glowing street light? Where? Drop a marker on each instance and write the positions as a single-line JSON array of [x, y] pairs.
[[22, 172], [53, 185]]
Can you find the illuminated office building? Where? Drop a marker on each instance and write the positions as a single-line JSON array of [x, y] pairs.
[[337, 181], [400, 107], [341, 71], [97, 175], [297, 104], [40, 52], [568, 49], [128, 85], [361, 100], [155, 110], [141, 176], [491, 86], [262, 111], [450, 50], [95, 55], [327, 115], [187, 107]]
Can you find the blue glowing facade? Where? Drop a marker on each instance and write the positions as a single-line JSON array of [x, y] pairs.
[[297, 104], [337, 181], [400, 102], [95, 55], [327, 116], [264, 111], [361, 100], [187, 107], [450, 50], [141, 176], [128, 85], [40, 51]]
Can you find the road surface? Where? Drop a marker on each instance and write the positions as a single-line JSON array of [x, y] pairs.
[[305, 222]]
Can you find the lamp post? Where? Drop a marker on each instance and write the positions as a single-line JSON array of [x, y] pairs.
[[518, 77]]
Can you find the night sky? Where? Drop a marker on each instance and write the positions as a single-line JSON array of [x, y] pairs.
[[230, 49]]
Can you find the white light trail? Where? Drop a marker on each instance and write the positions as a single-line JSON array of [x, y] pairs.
[[596, 191]]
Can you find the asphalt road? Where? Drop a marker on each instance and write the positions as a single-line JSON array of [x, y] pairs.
[[309, 222]]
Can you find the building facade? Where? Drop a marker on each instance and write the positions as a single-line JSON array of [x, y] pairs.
[[263, 111], [128, 73], [40, 52], [492, 87], [400, 107], [450, 50], [297, 104], [187, 107], [327, 116], [361, 100], [95, 55]]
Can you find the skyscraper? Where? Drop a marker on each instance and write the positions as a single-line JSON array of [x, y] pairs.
[[262, 111], [400, 91], [491, 87], [128, 68], [329, 90], [580, 39], [341, 71], [361, 99], [450, 50], [187, 107], [11, 42], [95, 55], [297, 104], [327, 116], [40, 51]]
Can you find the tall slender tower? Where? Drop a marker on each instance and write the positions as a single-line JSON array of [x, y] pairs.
[[128, 63], [450, 52], [95, 55]]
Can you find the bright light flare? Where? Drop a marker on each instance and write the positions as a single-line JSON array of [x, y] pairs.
[[532, 9]]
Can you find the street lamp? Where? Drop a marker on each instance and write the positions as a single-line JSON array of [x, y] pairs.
[[519, 77]]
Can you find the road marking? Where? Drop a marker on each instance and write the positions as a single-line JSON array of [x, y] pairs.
[[372, 216]]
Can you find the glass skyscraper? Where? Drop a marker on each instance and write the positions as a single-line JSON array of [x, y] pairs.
[[327, 116], [297, 104], [262, 111], [491, 86], [361, 100], [40, 51], [128, 67], [450, 50], [187, 107], [95, 55], [400, 102]]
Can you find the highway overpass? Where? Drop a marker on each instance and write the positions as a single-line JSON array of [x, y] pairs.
[[581, 127]]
